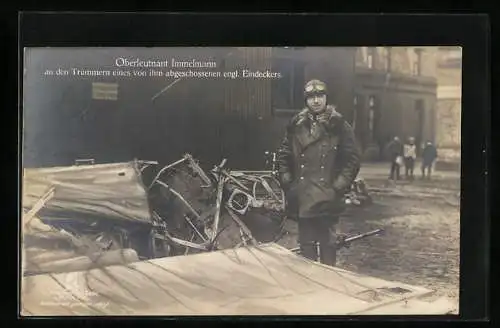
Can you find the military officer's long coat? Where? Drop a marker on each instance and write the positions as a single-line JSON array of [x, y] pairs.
[[318, 161]]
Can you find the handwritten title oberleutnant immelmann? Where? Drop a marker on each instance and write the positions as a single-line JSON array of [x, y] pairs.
[[137, 62]]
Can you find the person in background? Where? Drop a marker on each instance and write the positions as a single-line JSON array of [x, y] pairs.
[[410, 155], [429, 155], [318, 161], [395, 151]]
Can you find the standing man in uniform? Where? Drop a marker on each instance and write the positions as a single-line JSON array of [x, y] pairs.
[[318, 161], [429, 155]]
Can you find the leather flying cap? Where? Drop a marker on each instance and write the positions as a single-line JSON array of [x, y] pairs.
[[315, 87]]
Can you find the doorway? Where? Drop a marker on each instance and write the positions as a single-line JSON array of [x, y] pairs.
[[419, 133]]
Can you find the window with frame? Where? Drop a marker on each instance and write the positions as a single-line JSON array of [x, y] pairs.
[[450, 57], [417, 64], [370, 59], [388, 58], [371, 117], [355, 112]]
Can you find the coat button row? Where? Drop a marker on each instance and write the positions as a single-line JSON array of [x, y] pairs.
[[320, 179]]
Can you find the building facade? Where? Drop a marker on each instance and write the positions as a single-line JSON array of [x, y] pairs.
[[409, 91], [117, 118], [383, 91], [395, 95], [449, 106]]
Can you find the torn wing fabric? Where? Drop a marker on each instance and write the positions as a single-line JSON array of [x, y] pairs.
[[105, 191], [262, 280]]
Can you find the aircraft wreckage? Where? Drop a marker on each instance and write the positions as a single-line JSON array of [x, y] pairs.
[[136, 239]]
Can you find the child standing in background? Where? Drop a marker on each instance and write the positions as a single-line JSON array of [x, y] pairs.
[[410, 155]]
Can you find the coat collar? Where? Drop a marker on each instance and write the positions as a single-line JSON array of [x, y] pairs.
[[330, 114], [323, 123]]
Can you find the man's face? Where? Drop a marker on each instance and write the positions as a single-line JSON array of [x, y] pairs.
[[316, 103]]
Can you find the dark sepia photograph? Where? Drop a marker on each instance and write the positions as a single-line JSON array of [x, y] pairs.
[[220, 181]]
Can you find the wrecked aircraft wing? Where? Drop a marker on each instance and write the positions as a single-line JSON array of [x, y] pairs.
[[110, 191], [263, 280]]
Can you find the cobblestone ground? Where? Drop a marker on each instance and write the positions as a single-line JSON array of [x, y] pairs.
[[420, 245]]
